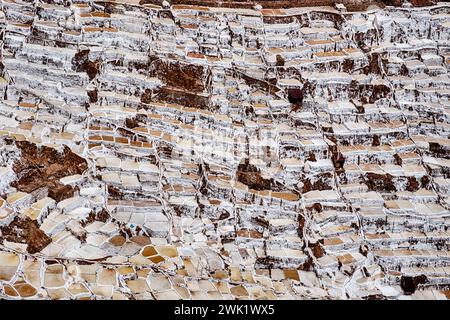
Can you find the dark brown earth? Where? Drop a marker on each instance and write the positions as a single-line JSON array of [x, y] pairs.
[[146, 96], [317, 249], [425, 182], [183, 83], [321, 182], [410, 284], [438, 150], [259, 84], [277, 4], [133, 122], [181, 97], [177, 75], [368, 93], [25, 230], [280, 61], [315, 208], [93, 95], [422, 3], [82, 63], [375, 141], [295, 96], [397, 159], [364, 250], [301, 225], [375, 297], [60, 192], [308, 265], [43, 167], [412, 184], [380, 182], [250, 176], [102, 216], [338, 161], [374, 63]]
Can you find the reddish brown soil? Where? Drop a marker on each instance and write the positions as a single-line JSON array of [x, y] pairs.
[[410, 284], [280, 4], [301, 225], [25, 230], [321, 182], [338, 161], [42, 167], [181, 76], [82, 63], [181, 97], [380, 182], [102, 216], [317, 249], [413, 184], [251, 177]]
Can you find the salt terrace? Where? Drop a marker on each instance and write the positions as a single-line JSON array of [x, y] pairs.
[[185, 150]]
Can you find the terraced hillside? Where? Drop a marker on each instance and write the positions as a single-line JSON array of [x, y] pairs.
[[161, 150]]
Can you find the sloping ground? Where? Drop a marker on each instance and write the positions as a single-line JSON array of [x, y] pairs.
[[158, 151]]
